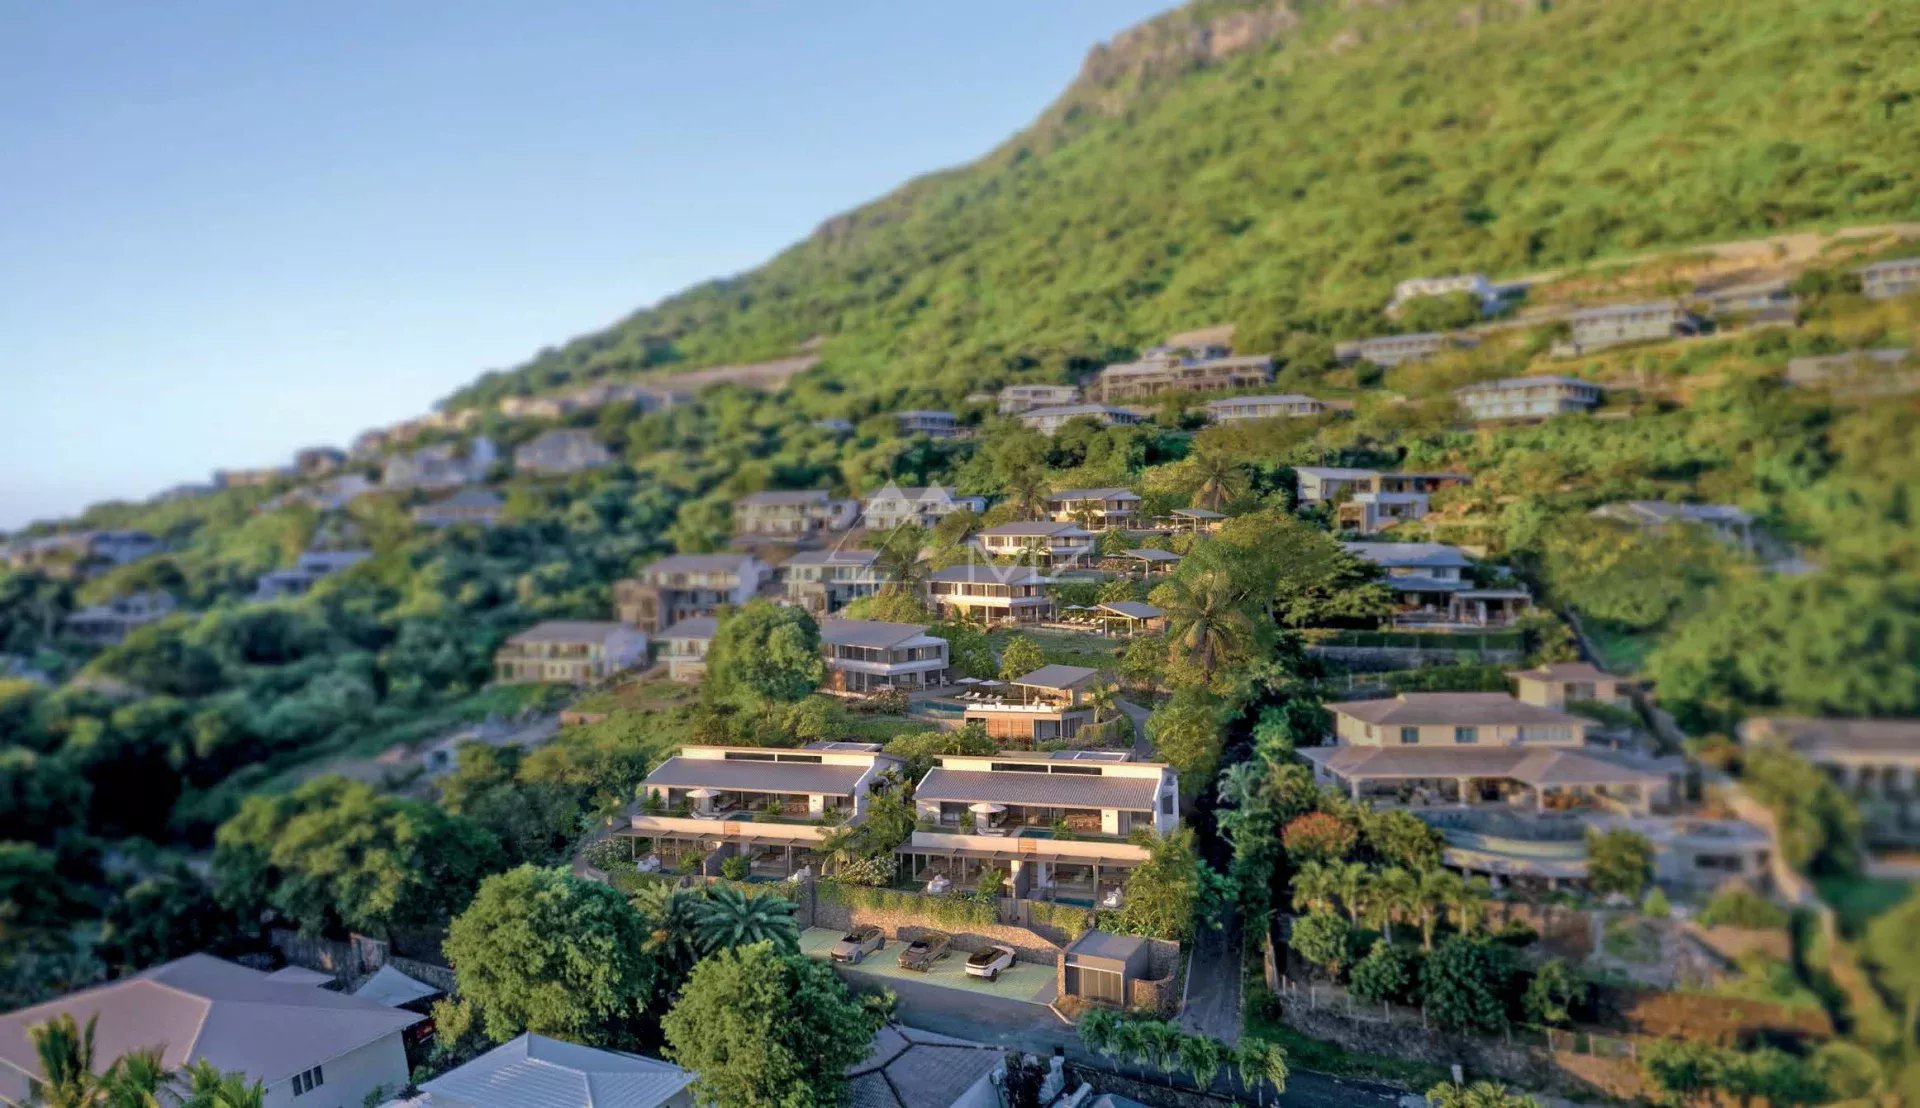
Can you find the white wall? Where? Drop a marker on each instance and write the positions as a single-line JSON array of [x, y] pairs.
[[349, 1078]]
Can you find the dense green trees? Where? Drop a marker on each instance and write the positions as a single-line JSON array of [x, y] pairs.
[[764, 655], [767, 1030], [541, 950]]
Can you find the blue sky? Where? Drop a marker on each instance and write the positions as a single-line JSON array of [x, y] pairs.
[[233, 229]]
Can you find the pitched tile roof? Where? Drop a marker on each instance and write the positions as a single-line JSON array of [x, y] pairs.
[[1441, 709], [698, 563], [868, 632], [698, 627], [911, 1068], [1539, 767], [568, 630], [204, 1008], [534, 1071]]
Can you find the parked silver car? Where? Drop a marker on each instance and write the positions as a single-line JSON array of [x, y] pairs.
[[856, 944], [989, 963]]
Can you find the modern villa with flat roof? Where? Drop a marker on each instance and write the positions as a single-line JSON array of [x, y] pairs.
[[771, 805], [1619, 324], [1394, 350], [867, 656], [1889, 279], [995, 594], [1049, 419], [932, 424], [1430, 582], [683, 586], [684, 646], [569, 651], [1325, 484], [1368, 512], [1170, 372], [1007, 811], [1877, 761], [1035, 707], [792, 514], [1014, 399], [1095, 509]]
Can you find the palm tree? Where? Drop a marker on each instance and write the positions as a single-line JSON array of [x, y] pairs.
[[1390, 893], [1027, 491], [1201, 1057], [1350, 880], [1102, 698], [837, 846], [1467, 906], [1314, 887], [65, 1050], [1265, 1064], [1480, 1094], [135, 1079], [1204, 618], [1223, 479], [729, 917], [899, 562], [207, 1087], [674, 914], [1433, 891]]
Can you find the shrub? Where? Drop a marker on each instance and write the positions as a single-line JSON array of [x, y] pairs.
[[1321, 938], [1554, 993], [1461, 985], [873, 872], [1739, 906], [1388, 972], [735, 867], [1656, 905], [1318, 837]]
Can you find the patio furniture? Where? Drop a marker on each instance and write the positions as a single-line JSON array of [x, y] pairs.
[[1112, 899], [648, 864], [939, 884]]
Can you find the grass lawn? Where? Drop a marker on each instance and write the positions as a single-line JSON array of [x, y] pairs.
[[1331, 1058], [659, 692], [1856, 900], [1621, 650], [1066, 648], [880, 729]]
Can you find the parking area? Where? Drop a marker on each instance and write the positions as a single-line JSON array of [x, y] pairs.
[[1023, 981]]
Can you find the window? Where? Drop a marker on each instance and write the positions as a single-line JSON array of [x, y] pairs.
[[1409, 736], [1166, 804], [1466, 734], [308, 1080]]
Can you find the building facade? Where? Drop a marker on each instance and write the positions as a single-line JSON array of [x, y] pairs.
[[990, 594], [867, 656], [1528, 398], [1014, 399], [1283, 405], [686, 586], [569, 652]]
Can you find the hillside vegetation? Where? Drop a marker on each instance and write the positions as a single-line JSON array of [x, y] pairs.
[[1281, 165]]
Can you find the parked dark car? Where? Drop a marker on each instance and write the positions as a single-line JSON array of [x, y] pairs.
[[929, 947]]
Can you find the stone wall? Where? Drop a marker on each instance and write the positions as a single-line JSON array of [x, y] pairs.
[[838, 915], [1567, 932], [1373, 659], [354, 960]]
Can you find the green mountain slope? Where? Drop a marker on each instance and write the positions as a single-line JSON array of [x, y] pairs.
[[1281, 165]]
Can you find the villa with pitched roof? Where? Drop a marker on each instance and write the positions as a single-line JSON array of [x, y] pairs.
[[1042, 542], [1232, 409], [1541, 397], [684, 586], [1558, 684], [684, 646], [1430, 582], [824, 581], [893, 506], [1095, 509], [991, 594], [792, 514], [305, 1044], [1036, 707], [868, 656], [561, 451], [533, 1071], [569, 651], [1006, 811], [772, 805]]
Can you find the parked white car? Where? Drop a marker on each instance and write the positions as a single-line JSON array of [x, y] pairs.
[[990, 962], [856, 944]]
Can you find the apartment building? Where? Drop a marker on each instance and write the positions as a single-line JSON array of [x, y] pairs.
[[1103, 509], [1620, 324], [893, 506], [1393, 350], [932, 424], [1039, 542], [868, 656], [685, 586], [770, 805], [1290, 405], [1171, 373], [684, 646], [1056, 824], [569, 652], [560, 452], [111, 622], [990, 594], [796, 514], [824, 581], [1528, 398], [1014, 399]]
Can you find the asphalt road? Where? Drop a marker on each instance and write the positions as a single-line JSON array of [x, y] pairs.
[[1213, 985], [1035, 1029]]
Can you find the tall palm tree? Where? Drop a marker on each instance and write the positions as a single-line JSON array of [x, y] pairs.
[[1389, 894], [65, 1051], [1350, 880], [730, 917], [673, 914], [899, 562], [1314, 887], [1434, 889], [207, 1087], [1205, 622], [1223, 479], [1467, 905]]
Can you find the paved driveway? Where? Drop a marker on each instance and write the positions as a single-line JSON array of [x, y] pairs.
[[1214, 985], [1023, 982]]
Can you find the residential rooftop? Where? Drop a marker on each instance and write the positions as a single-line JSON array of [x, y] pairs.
[[869, 633], [1444, 708], [568, 631], [1038, 788]]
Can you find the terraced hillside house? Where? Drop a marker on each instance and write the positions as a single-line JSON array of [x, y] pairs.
[[1877, 761], [932, 424], [1327, 484], [923, 506], [792, 515], [111, 622], [1369, 512], [1890, 279], [685, 586], [1038, 542], [1055, 823], [1749, 304], [684, 646], [1620, 324], [304, 1044], [1540, 397], [1014, 399], [475, 505], [1558, 684], [990, 594], [1165, 373], [773, 806], [1050, 419], [1393, 350], [443, 465], [1288, 405], [1047, 704], [569, 652], [867, 656], [1489, 295], [1724, 521], [824, 581], [561, 451], [1096, 509], [308, 570], [1431, 585], [318, 461]]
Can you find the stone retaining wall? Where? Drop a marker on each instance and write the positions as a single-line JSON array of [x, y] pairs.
[[839, 915]]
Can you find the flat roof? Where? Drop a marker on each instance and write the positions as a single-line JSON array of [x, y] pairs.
[[1430, 555], [1133, 609], [698, 627], [1441, 708], [1106, 944], [870, 633], [740, 775], [1056, 677], [1150, 555], [1039, 789]]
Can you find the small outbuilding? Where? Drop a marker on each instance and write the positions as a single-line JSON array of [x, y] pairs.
[[1101, 966]]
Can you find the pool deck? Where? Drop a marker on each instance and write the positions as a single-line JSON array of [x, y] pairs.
[[1023, 981]]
